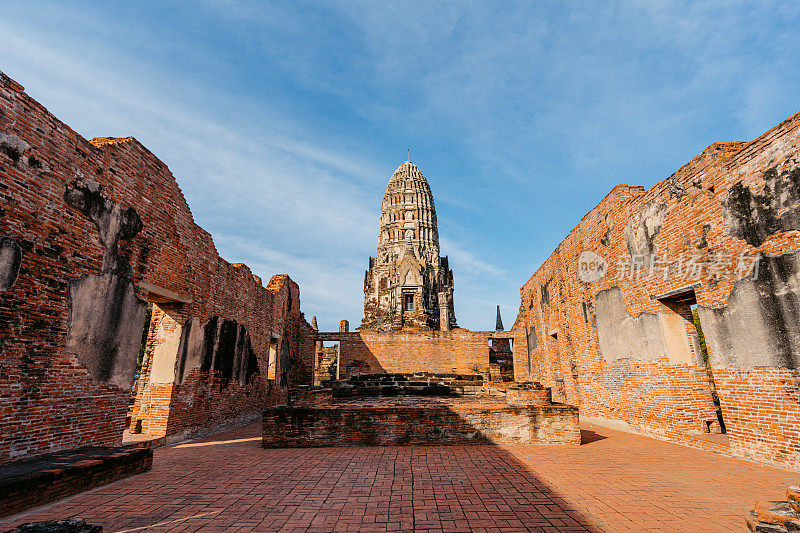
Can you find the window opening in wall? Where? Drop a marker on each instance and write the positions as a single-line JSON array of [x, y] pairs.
[[408, 302], [532, 338], [273, 358], [531, 342], [551, 345], [226, 347]]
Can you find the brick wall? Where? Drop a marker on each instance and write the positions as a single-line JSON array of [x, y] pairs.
[[459, 351], [621, 343], [761, 408], [58, 193]]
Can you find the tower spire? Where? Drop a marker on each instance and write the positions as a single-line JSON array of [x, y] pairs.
[[499, 324], [408, 252]]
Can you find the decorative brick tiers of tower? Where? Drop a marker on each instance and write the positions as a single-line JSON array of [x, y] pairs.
[[408, 284]]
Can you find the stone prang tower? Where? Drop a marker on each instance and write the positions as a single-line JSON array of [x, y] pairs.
[[408, 285]]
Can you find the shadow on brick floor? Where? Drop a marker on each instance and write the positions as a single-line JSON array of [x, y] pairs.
[[229, 481], [588, 436]]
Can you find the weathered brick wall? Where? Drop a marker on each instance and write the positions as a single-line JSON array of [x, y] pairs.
[[109, 214], [623, 347], [459, 351], [762, 408]]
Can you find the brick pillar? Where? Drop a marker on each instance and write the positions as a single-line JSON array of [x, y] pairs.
[[319, 354], [344, 326], [444, 312]]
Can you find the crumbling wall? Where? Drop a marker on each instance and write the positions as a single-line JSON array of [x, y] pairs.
[[89, 232], [105, 314], [760, 325], [609, 309], [645, 338]]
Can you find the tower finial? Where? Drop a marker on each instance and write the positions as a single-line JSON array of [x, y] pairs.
[[409, 154], [499, 324]]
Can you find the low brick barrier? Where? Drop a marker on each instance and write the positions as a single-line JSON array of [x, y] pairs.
[[26, 484], [353, 425], [304, 396]]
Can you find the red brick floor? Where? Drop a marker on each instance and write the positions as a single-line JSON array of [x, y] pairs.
[[616, 481]]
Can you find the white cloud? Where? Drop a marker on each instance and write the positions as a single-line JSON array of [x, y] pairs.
[[466, 262], [276, 202]]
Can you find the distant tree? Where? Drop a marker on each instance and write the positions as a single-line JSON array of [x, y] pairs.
[[700, 335]]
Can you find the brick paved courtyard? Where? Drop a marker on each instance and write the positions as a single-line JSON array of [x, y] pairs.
[[615, 481]]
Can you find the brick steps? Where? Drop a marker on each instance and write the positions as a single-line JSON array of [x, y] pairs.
[[778, 516]]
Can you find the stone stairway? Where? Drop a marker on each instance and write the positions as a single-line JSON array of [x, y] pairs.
[[420, 383]]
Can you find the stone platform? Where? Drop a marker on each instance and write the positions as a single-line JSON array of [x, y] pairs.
[[25, 484], [394, 410]]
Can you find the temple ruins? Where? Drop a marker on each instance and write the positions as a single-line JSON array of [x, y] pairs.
[[671, 312]]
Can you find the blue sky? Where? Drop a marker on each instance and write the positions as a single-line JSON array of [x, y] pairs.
[[283, 123]]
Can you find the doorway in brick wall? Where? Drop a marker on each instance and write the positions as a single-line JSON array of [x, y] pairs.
[[327, 367], [142, 350], [684, 323], [556, 366], [151, 392], [408, 302], [501, 359], [700, 343], [272, 360]]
